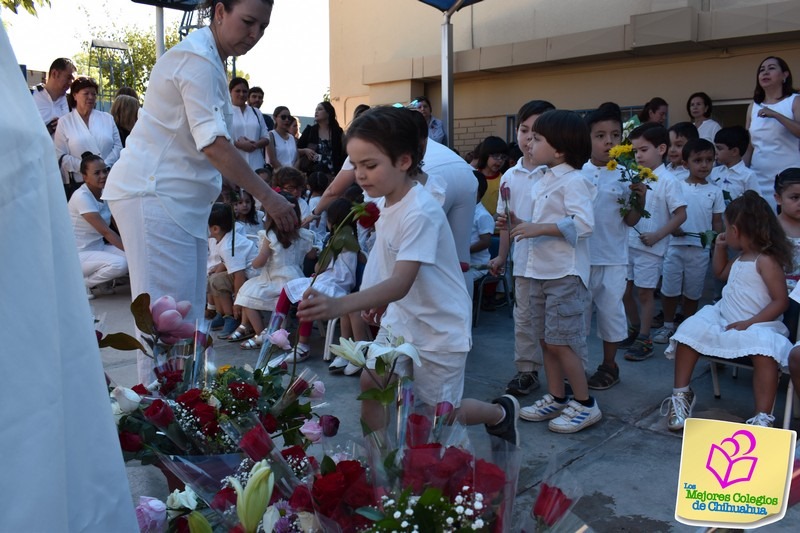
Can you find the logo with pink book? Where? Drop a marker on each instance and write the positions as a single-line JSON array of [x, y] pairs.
[[730, 460]]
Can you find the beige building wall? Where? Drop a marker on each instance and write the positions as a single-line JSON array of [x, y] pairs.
[[575, 53]]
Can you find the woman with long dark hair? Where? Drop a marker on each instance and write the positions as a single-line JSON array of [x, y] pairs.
[[321, 145]]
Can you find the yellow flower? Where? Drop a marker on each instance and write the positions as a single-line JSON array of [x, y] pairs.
[[647, 174], [223, 369], [620, 150], [611, 165]]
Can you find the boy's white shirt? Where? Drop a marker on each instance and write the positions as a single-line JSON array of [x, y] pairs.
[[608, 244], [680, 173], [435, 315], [520, 182], [735, 179], [562, 196], [702, 202], [244, 251], [482, 224], [663, 198]]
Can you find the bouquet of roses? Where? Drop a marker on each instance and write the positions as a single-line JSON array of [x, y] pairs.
[[558, 494], [621, 157]]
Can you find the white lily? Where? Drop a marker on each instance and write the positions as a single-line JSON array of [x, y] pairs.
[[353, 352], [270, 518], [252, 500], [392, 352], [127, 400]]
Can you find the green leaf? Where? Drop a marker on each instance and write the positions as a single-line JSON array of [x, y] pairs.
[[327, 466], [384, 396], [120, 341], [431, 496], [370, 513], [198, 523], [140, 308], [380, 366]]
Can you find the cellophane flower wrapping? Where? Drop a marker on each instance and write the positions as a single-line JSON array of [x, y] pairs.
[[558, 493]]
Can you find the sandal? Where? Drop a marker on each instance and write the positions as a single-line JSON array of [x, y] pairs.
[[604, 378], [241, 333], [253, 343]]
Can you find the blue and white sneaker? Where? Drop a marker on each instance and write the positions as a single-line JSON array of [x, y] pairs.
[[543, 409], [575, 418]]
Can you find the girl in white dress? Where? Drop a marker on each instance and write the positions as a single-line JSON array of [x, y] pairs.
[[282, 149], [280, 258], [747, 320]]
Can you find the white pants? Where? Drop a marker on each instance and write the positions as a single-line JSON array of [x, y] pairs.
[[163, 259], [607, 287], [101, 266]]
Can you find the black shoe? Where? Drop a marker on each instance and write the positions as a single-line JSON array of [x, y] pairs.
[[633, 334], [506, 429], [523, 383], [658, 321]]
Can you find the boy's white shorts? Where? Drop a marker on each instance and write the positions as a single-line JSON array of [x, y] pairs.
[[685, 269], [439, 379], [644, 268], [606, 288]]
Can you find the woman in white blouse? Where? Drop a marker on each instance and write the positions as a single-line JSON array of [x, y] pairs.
[[282, 149], [699, 107], [249, 131], [84, 129]]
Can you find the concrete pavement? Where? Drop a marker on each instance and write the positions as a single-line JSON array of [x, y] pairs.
[[627, 464]]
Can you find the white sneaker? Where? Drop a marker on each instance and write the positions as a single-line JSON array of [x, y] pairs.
[[662, 335], [575, 418], [677, 408], [351, 370], [338, 365], [543, 409], [762, 419], [294, 357]]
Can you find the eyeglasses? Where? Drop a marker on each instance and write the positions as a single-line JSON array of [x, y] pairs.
[[284, 117], [499, 157]]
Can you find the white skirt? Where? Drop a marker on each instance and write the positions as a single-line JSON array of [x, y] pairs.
[[706, 333]]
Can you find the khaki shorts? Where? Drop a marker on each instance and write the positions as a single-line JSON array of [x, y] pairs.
[[220, 283], [558, 307]]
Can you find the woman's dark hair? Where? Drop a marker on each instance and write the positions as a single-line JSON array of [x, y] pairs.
[[787, 87], [706, 100], [695, 146], [360, 108], [127, 91], [278, 110], [734, 137], [354, 194], [86, 158], [606, 111], [655, 134], [227, 4], [331, 115], [238, 81], [318, 181], [222, 216], [393, 130], [789, 176], [125, 110], [756, 220], [82, 82], [423, 99], [534, 107], [490, 145], [652, 106], [567, 133], [286, 238], [482, 183], [250, 216]]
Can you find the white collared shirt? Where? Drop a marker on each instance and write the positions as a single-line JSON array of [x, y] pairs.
[[249, 123], [186, 107], [562, 196], [734, 180], [608, 244], [49, 108], [663, 198], [520, 182], [73, 138]]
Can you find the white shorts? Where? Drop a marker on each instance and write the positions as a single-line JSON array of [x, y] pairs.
[[606, 289], [685, 269], [644, 268], [439, 379]]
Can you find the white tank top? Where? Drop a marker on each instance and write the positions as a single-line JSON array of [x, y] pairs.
[[774, 147]]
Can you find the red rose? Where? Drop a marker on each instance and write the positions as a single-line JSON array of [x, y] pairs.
[[370, 216], [224, 499], [418, 463], [453, 471], [130, 442], [189, 398], [418, 430], [243, 391], [551, 504], [270, 423], [330, 425], [301, 499], [169, 380], [182, 524], [256, 443], [141, 390], [98, 335], [328, 491], [206, 417], [299, 387], [159, 414], [351, 470]]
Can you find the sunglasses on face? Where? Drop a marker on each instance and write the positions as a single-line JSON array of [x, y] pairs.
[[284, 117]]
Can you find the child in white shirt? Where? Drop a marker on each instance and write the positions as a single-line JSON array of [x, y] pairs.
[[647, 241], [608, 244], [561, 222], [686, 261], [731, 174], [679, 135], [412, 266]]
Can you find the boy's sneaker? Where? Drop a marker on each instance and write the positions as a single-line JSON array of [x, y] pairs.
[[642, 349], [543, 409], [338, 365], [604, 377], [677, 408], [298, 356], [217, 322], [658, 320], [523, 383], [762, 419], [575, 418], [633, 334], [506, 429], [663, 335], [229, 326], [352, 370]]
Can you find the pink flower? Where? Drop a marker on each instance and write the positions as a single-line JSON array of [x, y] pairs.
[[151, 513], [168, 318], [317, 390], [280, 338], [312, 430]]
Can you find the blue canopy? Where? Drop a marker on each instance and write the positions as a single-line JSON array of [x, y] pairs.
[[183, 5], [444, 5]]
